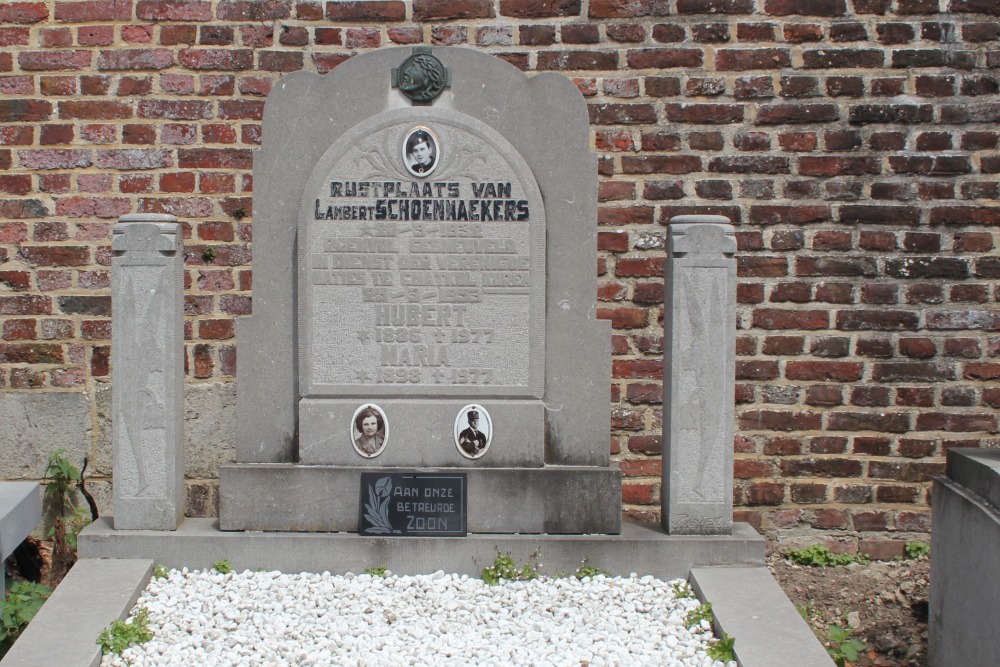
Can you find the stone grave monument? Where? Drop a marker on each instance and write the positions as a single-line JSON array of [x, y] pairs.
[[424, 356], [424, 257]]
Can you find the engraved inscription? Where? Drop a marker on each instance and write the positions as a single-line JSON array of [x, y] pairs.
[[422, 282]]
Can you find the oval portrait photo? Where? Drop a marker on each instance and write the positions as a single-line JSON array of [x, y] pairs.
[[369, 430], [421, 151], [473, 431]]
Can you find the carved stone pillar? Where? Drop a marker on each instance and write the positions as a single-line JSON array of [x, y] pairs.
[[699, 356], [147, 363]]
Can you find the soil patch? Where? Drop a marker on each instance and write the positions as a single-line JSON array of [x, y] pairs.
[[882, 603]]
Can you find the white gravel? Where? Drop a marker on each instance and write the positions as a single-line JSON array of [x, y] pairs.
[[203, 618]]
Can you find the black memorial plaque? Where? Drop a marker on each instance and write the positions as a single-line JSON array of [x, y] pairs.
[[430, 504]]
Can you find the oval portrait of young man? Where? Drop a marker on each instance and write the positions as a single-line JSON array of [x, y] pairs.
[[473, 431], [369, 430], [421, 151]]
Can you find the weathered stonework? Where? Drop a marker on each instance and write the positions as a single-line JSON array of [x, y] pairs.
[[148, 399], [699, 302]]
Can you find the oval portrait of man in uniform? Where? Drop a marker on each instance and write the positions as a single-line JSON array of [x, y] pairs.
[[473, 431], [369, 430], [421, 152]]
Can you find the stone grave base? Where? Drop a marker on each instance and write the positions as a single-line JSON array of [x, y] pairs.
[[640, 548], [553, 499], [747, 602]]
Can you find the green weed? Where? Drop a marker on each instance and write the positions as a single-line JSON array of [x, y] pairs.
[[841, 646], [820, 556], [505, 567], [23, 601], [377, 571], [69, 519], [699, 614], [160, 571], [222, 566], [722, 648], [682, 590], [587, 570], [917, 549], [121, 634]]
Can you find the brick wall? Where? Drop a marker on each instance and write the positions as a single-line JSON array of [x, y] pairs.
[[853, 142]]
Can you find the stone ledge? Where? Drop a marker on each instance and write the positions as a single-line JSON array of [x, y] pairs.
[[553, 499], [640, 548], [978, 470], [750, 606], [65, 630], [20, 512]]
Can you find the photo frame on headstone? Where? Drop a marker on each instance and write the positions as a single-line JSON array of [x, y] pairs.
[[473, 431], [369, 430]]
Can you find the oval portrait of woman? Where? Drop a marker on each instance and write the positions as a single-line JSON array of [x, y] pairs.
[[421, 151], [369, 430], [473, 431]]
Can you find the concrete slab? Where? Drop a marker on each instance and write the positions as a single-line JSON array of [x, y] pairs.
[[963, 615], [65, 630], [640, 548], [20, 511], [750, 606]]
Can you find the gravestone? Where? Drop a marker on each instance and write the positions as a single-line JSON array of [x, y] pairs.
[[424, 299]]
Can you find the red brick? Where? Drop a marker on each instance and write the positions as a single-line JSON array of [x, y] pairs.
[[752, 59], [824, 395], [214, 158], [366, 11], [834, 371], [31, 353], [756, 370], [791, 319], [745, 164], [639, 494], [715, 6], [756, 266], [24, 13], [663, 58], [53, 60], [445, 10], [539, 8], [661, 164], [780, 114], [216, 329], [16, 184], [577, 60], [621, 114], [216, 59], [253, 10], [982, 371], [20, 330], [766, 493], [811, 8], [774, 420], [704, 113]]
